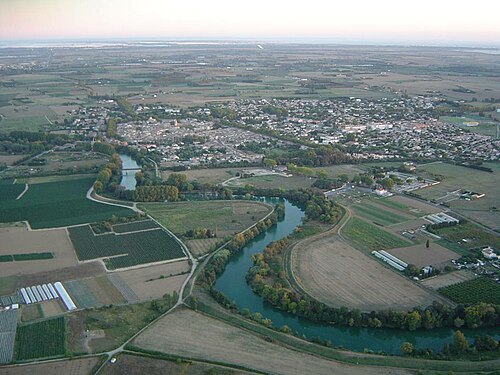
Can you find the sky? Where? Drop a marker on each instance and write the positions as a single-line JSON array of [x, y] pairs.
[[438, 22]]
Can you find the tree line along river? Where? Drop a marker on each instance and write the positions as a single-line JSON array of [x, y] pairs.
[[233, 284]]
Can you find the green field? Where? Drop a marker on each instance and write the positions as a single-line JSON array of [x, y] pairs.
[[126, 250], [55, 204], [227, 217], [473, 235], [377, 215], [368, 237], [9, 191], [274, 182], [27, 256], [41, 340], [473, 291], [135, 226]]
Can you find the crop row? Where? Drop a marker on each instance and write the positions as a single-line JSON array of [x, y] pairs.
[[27, 256], [369, 237], [136, 248], [473, 291], [41, 340], [135, 226]]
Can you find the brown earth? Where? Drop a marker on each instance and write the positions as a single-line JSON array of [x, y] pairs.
[[446, 279], [419, 255], [333, 272], [82, 366], [190, 334]]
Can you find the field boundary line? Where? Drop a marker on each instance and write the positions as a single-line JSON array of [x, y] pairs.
[[26, 187]]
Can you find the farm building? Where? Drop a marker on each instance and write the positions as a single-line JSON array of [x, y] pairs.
[[441, 218], [391, 260]]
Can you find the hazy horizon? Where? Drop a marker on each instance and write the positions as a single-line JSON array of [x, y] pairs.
[[386, 22]]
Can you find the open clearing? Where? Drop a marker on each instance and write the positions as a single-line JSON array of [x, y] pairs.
[[202, 246], [206, 176], [421, 256], [190, 334], [448, 279], [224, 217], [56, 204], [127, 364], [335, 273], [155, 281], [273, 182], [409, 205], [81, 366], [18, 240]]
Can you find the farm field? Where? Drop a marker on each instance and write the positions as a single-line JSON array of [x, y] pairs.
[[379, 215], [368, 237], [436, 255], [127, 249], [456, 177], [31, 312], [409, 205], [56, 204], [207, 175], [476, 290], [128, 364], [80, 366], [333, 272], [228, 217], [17, 241], [52, 308], [45, 179], [158, 280], [8, 324], [9, 159], [135, 226], [273, 181], [178, 334], [448, 279], [41, 340], [335, 170], [202, 246], [473, 235]]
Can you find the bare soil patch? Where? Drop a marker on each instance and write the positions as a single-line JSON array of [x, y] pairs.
[[17, 240], [447, 279], [190, 334], [82, 366], [333, 272], [64, 274], [153, 282], [436, 255], [201, 246], [52, 308]]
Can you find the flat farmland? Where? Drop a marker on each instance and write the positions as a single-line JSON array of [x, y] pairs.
[[228, 217], [202, 246], [273, 182], [335, 170], [481, 289], [18, 240], [155, 281], [333, 272], [421, 256], [80, 366], [192, 335], [368, 237], [409, 205], [56, 204], [125, 249], [448, 279], [41, 340], [379, 214], [127, 364], [206, 176]]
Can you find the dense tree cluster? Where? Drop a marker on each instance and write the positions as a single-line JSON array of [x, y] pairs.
[[24, 142], [156, 193], [109, 176], [199, 233]]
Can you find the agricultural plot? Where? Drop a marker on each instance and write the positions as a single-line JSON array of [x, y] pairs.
[[34, 251], [178, 334], [125, 250], [207, 175], [421, 256], [80, 366], [469, 236], [202, 246], [223, 217], [448, 279], [57, 204], [335, 273], [135, 226], [273, 182], [473, 291], [368, 237], [378, 215], [8, 324], [81, 294], [41, 340], [9, 191], [409, 205]]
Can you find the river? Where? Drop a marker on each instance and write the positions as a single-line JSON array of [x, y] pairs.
[[128, 176], [233, 284]]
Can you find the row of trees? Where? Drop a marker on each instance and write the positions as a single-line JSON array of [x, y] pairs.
[[156, 193], [109, 176]]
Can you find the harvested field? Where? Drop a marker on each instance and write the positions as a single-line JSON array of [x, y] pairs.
[[153, 282], [224, 217], [52, 308], [104, 291], [335, 273], [448, 279], [81, 366], [31, 312], [190, 334], [127, 364], [18, 240], [420, 256], [379, 214], [202, 246]]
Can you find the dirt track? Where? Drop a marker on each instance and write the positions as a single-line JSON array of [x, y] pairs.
[[335, 273], [190, 334]]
